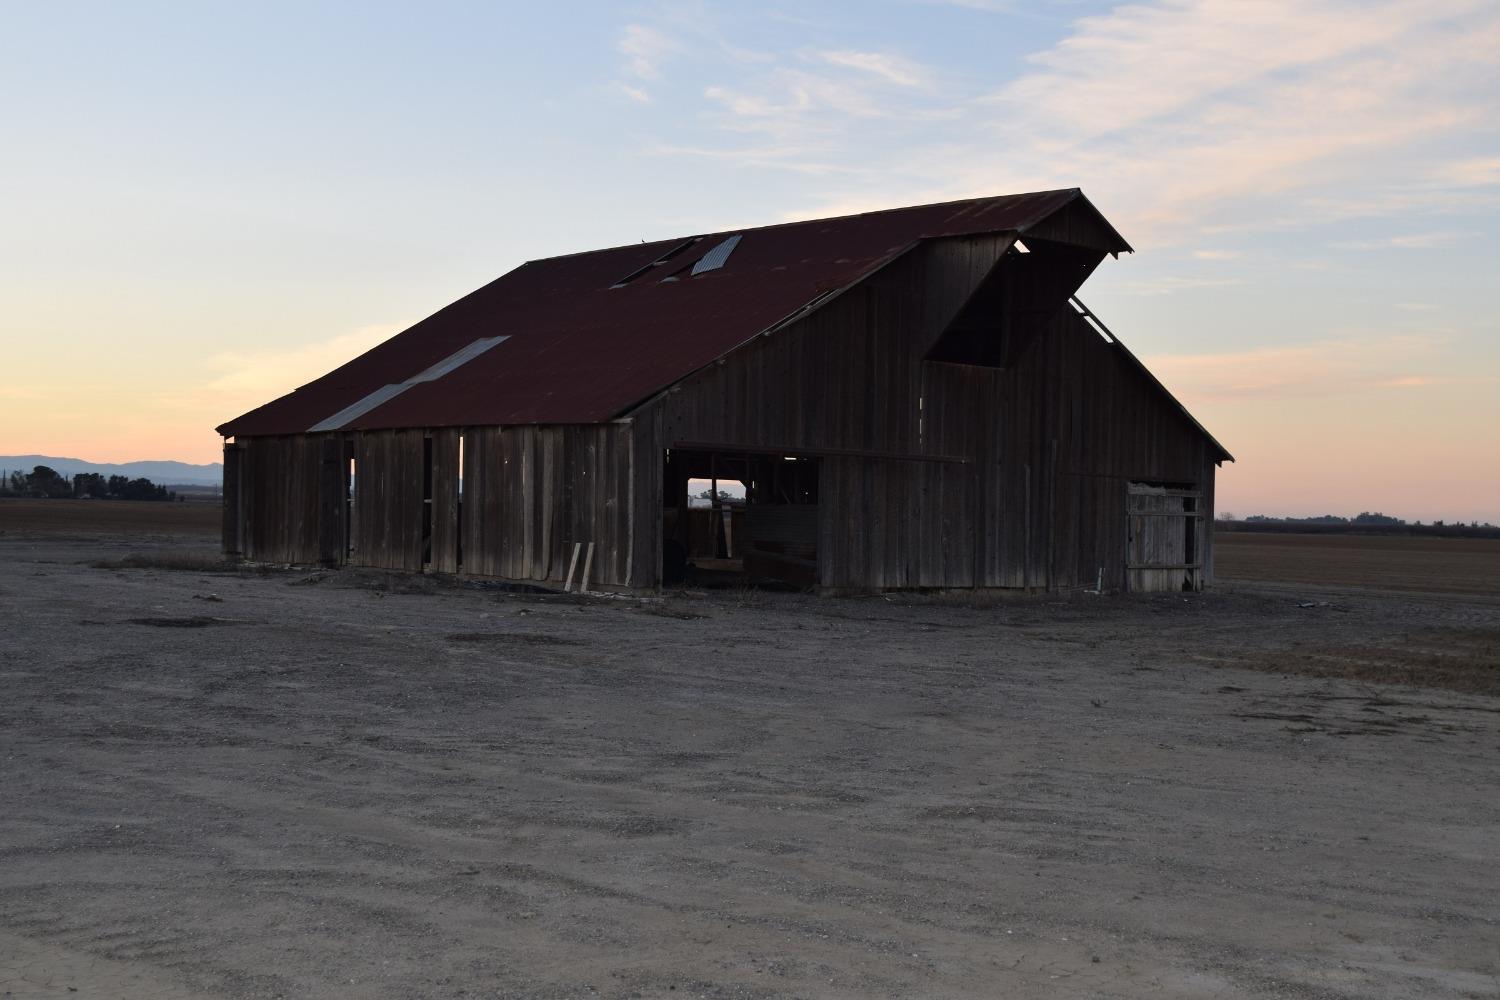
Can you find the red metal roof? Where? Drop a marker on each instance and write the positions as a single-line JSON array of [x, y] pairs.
[[578, 350]]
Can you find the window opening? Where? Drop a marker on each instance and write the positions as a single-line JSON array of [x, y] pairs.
[[675, 251], [1092, 320]]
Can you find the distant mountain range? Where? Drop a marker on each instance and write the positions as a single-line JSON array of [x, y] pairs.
[[160, 473]]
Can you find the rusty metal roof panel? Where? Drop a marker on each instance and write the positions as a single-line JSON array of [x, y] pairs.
[[582, 344]]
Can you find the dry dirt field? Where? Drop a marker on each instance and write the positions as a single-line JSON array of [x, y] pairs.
[[305, 784], [1385, 562], [88, 518]]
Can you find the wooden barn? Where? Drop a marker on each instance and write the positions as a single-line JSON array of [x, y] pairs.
[[912, 398]]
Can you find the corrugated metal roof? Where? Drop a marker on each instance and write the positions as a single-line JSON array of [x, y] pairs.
[[583, 348], [360, 407], [717, 257], [386, 393]]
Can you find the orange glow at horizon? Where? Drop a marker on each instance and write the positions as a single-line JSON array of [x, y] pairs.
[[1395, 452]]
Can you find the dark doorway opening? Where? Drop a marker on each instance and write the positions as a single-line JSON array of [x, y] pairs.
[[739, 519]]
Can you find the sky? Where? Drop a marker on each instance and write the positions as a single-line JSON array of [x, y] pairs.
[[207, 204]]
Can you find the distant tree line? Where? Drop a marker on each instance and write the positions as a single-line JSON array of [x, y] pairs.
[[1365, 523], [48, 484], [1366, 518]]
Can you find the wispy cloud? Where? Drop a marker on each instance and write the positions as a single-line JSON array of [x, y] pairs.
[[857, 87], [235, 381], [891, 68], [1406, 241], [1178, 283], [25, 392], [1145, 62], [793, 97], [993, 6], [773, 155], [176, 419], [1188, 121], [1182, 118], [638, 94], [644, 49], [1406, 382], [1476, 172], [1185, 109], [1324, 368]]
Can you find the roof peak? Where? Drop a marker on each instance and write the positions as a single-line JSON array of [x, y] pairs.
[[1071, 193], [585, 346]]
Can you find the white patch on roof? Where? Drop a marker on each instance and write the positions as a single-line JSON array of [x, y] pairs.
[[386, 393], [460, 357], [716, 257]]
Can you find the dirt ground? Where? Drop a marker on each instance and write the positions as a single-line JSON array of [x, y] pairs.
[[1385, 562], [304, 784], [88, 518]]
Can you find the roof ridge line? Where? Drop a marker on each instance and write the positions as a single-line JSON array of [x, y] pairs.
[[1075, 191]]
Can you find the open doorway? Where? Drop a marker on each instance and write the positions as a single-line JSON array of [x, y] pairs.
[[736, 519]]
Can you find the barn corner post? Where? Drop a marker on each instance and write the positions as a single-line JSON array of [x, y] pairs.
[[1209, 505], [232, 530]]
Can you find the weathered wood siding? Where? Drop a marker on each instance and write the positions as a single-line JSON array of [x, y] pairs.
[[644, 510], [936, 474], [891, 524], [531, 492], [528, 494], [847, 376], [388, 513], [233, 516], [1164, 539], [1079, 421], [446, 531], [285, 513]]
